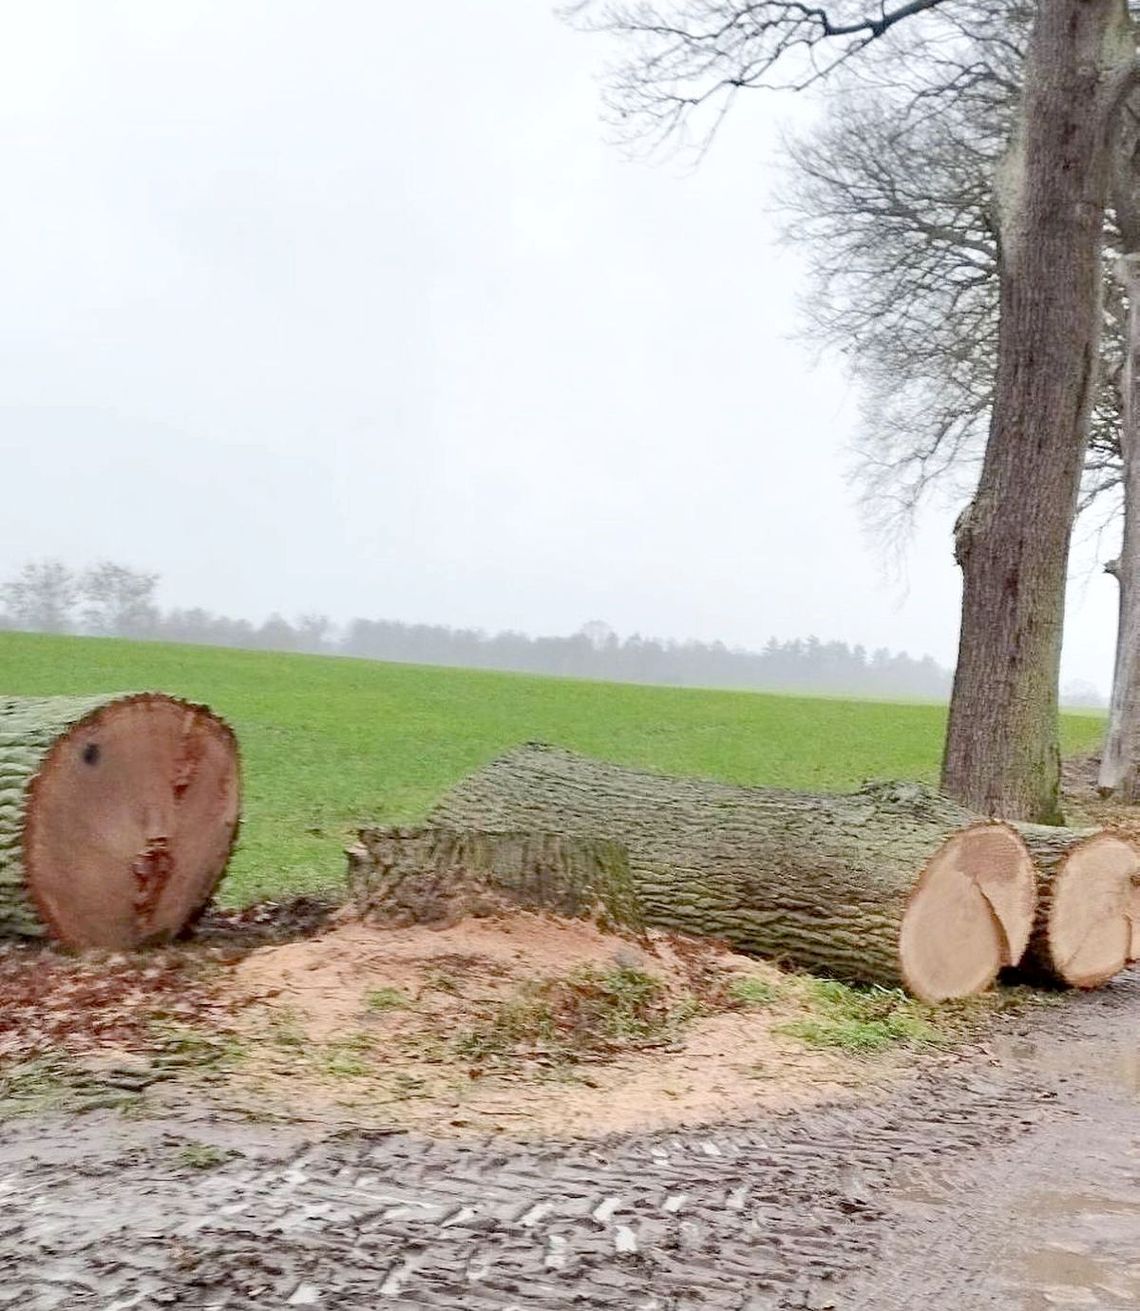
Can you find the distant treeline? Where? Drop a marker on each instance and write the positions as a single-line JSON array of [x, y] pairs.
[[597, 652], [113, 600]]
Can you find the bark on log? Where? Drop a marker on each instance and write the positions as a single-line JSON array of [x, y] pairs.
[[405, 876], [890, 885], [1087, 927], [117, 816]]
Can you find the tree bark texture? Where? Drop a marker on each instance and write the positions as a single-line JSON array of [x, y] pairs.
[[117, 816], [1120, 761], [891, 885], [1002, 755], [402, 876]]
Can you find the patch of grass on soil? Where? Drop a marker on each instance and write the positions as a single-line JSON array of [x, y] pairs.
[[386, 999], [200, 1156], [201, 1047], [859, 1019], [748, 991], [349, 1057], [55, 1082], [590, 1012], [100, 1028], [329, 744]]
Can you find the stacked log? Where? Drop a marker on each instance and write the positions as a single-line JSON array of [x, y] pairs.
[[891, 885], [118, 815], [1087, 927]]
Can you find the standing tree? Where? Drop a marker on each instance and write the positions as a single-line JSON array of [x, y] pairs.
[[312, 631], [41, 598], [1002, 754], [119, 602], [892, 201], [277, 634], [1120, 761], [890, 198]]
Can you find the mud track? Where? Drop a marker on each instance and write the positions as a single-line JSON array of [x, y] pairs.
[[1009, 1178]]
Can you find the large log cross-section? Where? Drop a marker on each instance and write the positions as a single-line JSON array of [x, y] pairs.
[[117, 816]]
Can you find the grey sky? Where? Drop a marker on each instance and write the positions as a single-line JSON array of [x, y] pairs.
[[348, 306]]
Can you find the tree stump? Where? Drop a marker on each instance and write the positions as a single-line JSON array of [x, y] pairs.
[[117, 816], [1087, 927], [403, 876], [891, 885]]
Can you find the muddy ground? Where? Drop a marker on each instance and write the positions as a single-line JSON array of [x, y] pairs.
[[516, 1023], [1007, 1176], [1001, 1172]]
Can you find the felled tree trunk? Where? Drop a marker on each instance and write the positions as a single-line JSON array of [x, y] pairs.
[[402, 876], [117, 816], [1087, 927], [891, 885]]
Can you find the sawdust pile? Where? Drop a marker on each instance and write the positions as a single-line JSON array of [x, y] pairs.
[[522, 1023]]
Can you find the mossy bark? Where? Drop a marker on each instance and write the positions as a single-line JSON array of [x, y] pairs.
[[823, 881], [438, 875]]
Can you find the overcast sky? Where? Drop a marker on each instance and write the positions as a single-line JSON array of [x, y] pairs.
[[349, 306]]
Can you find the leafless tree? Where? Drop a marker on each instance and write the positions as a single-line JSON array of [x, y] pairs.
[[42, 597], [682, 63], [1120, 761], [891, 200], [894, 211], [118, 601], [313, 632], [687, 58], [896, 221]]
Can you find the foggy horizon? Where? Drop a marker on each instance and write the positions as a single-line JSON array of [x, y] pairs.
[[358, 312], [111, 600]]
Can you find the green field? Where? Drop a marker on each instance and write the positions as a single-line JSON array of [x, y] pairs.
[[329, 744]]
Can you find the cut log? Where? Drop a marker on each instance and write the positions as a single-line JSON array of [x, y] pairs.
[[117, 816], [890, 885], [1088, 910], [403, 876]]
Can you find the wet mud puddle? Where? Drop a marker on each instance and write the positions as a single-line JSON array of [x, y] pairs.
[[1079, 1239], [1048, 1222]]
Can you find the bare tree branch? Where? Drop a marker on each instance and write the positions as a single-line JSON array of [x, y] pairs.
[[689, 56], [891, 199]]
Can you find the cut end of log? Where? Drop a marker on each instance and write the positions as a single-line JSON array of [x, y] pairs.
[[970, 914], [131, 819], [1093, 928]]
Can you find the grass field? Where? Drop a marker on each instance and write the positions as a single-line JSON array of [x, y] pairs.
[[329, 744]]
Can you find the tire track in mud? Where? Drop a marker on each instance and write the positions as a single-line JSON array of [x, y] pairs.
[[1048, 1219], [877, 1205]]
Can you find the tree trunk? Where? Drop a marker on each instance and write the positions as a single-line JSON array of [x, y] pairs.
[[1120, 762], [1002, 754], [1087, 927], [406, 876], [117, 816], [892, 885]]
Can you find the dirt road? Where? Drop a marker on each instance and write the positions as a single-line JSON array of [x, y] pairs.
[[1008, 1179]]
